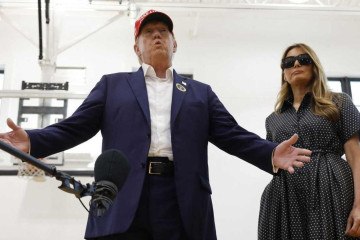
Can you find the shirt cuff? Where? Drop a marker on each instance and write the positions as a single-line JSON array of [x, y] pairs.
[[275, 169], [29, 144]]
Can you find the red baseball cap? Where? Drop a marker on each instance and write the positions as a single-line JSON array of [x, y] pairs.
[[152, 15]]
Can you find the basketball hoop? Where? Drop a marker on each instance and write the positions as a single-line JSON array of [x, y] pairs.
[[28, 171]]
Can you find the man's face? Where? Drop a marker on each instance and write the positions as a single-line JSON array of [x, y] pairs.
[[155, 43]]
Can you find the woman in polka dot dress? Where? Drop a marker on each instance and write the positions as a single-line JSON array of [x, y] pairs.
[[322, 199]]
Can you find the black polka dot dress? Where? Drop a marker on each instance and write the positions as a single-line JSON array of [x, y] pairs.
[[315, 201]]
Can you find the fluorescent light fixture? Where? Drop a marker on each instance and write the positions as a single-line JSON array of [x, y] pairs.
[[298, 1]]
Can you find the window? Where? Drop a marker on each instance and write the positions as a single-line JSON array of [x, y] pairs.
[[355, 86], [347, 85]]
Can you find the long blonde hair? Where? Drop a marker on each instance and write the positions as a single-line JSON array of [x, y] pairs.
[[323, 104]]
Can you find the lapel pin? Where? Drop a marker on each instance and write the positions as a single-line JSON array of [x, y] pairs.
[[180, 87]]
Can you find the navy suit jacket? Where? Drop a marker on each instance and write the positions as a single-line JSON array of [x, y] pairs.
[[118, 107]]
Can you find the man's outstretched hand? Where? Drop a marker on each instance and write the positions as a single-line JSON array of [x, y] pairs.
[[18, 138], [287, 157]]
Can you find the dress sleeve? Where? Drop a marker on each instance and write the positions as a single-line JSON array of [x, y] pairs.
[[349, 117]]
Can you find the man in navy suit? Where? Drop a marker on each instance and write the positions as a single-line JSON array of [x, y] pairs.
[[162, 122]]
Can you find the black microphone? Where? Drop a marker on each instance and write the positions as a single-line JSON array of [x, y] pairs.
[[111, 170]]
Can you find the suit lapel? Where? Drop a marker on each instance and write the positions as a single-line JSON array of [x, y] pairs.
[[137, 83], [179, 91]]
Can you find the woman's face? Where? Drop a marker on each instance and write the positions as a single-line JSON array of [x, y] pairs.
[[298, 68]]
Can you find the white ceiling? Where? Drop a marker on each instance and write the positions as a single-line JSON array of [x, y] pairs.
[[21, 15], [343, 5], [294, 3]]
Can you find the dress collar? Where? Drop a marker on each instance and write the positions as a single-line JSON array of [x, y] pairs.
[[288, 103]]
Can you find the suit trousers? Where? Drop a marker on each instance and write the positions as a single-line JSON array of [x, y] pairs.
[[157, 216]]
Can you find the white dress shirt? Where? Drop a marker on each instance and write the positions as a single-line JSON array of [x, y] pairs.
[[159, 92]]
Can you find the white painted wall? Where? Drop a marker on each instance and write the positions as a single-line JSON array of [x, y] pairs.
[[237, 52]]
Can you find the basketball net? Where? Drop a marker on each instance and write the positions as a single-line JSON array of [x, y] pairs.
[[28, 171]]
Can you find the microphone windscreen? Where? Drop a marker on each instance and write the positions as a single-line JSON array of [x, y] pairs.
[[112, 166]]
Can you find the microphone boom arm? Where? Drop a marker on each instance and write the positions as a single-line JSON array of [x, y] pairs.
[[68, 183]]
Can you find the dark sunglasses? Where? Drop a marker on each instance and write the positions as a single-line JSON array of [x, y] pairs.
[[289, 62]]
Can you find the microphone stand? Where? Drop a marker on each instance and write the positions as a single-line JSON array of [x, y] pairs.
[[68, 183]]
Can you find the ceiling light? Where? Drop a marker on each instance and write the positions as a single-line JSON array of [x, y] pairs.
[[298, 1]]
